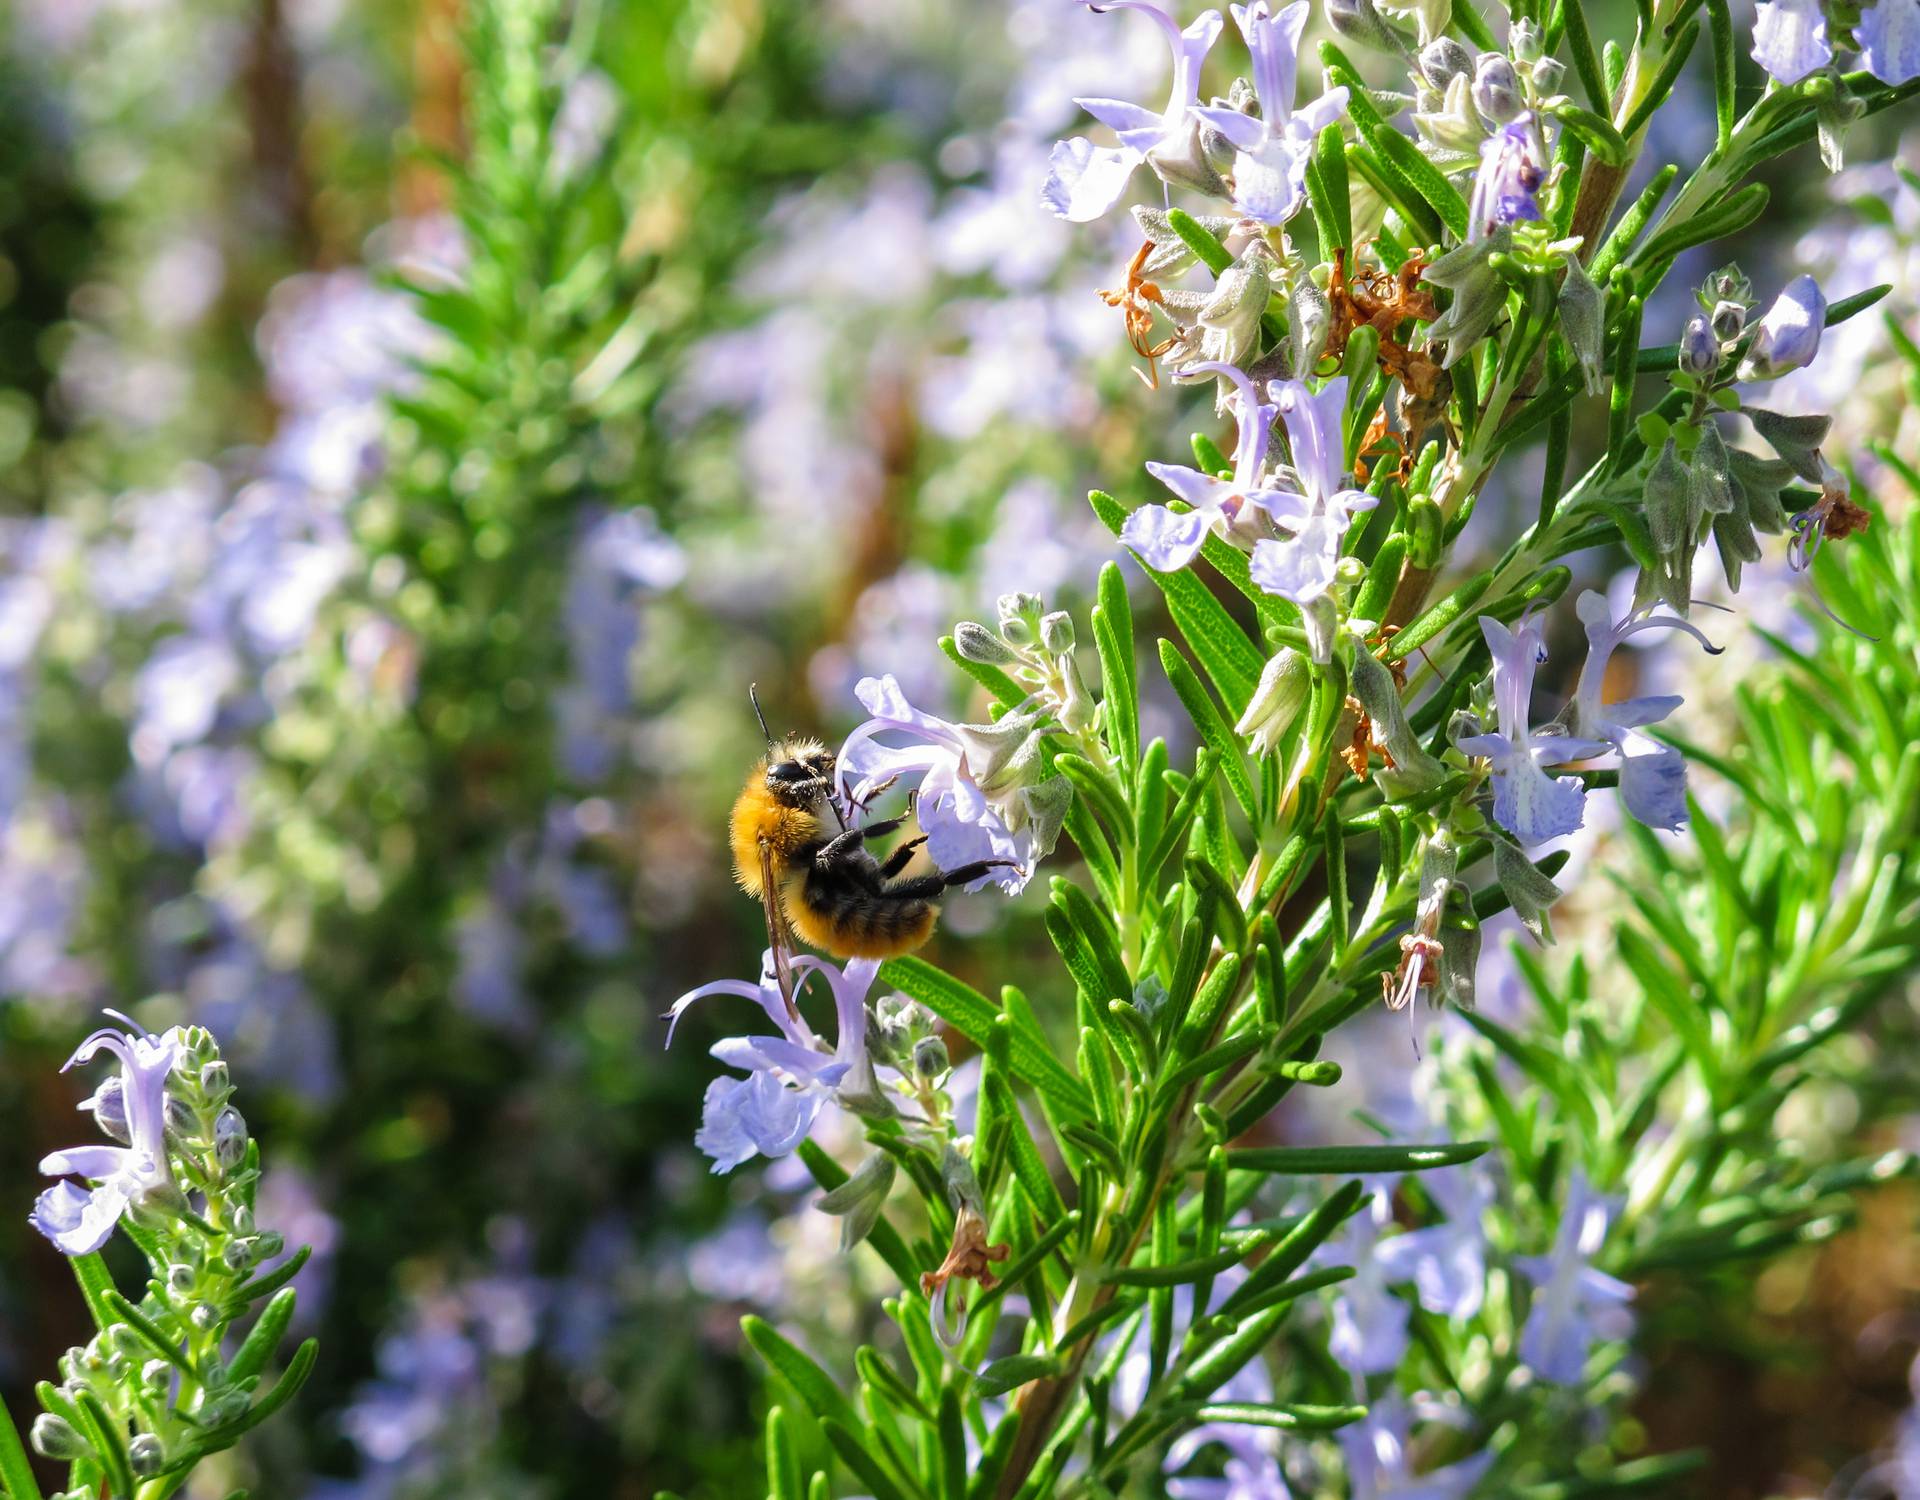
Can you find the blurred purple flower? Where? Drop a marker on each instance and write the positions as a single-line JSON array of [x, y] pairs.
[[1447, 1262], [81, 1220], [1573, 1304], [1529, 804], [1369, 1334], [1084, 181], [1271, 150], [1165, 541], [1380, 1461], [1790, 38], [178, 692], [1653, 776]]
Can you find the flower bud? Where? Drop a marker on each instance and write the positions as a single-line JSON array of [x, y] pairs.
[[242, 1220], [230, 1137], [1699, 348], [1078, 712], [1285, 683], [1056, 633], [1729, 320], [56, 1438], [147, 1454], [930, 1058], [214, 1080], [204, 1316], [1442, 60], [1583, 318], [182, 1278], [1668, 517], [1789, 334], [155, 1374], [109, 1106], [1526, 42], [181, 1120], [1496, 91], [1358, 21], [270, 1244], [977, 643], [238, 1255]]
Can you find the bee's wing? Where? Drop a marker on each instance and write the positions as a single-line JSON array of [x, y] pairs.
[[779, 934]]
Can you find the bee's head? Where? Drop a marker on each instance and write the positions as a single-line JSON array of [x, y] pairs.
[[800, 772]]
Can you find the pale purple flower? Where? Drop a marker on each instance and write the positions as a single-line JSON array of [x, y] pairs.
[[1788, 336], [1084, 181], [1528, 803], [963, 822], [1250, 1473], [1301, 568], [178, 692], [1271, 151], [1573, 1303], [1165, 541], [1512, 168], [791, 1076], [1790, 39], [80, 1220], [1653, 776], [1380, 1463], [1889, 36], [1447, 1262], [1369, 1334]]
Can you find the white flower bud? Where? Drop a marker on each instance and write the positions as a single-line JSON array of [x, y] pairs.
[[977, 643], [147, 1454], [56, 1438], [1056, 633], [1285, 683]]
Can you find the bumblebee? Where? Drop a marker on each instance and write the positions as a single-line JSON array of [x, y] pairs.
[[814, 875]]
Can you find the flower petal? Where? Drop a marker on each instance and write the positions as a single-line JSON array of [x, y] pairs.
[[1790, 38], [1084, 181], [1165, 542], [1889, 35]]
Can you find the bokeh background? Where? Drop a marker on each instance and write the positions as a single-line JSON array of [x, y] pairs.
[[419, 422]]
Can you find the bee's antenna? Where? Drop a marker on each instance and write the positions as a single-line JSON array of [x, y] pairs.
[[753, 696]]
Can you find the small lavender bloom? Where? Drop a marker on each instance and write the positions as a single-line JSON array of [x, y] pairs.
[[1653, 776], [962, 809], [1165, 541], [1084, 181], [1512, 168], [1271, 151], [1447, 1262], [1790, 39], [1250, 1473], [1369, 1322], [1302, 568], [1889, 36], [1699, 347], [1789, 335], [1573, 1304], [1379, 1464], [79, 1221], [1529, 804], [789, 1076]]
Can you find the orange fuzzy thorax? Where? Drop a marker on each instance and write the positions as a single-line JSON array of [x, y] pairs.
[[759, 814]]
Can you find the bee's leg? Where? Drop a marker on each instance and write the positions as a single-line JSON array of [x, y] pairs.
[[927, 886], [838, 848], [897, 861]]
